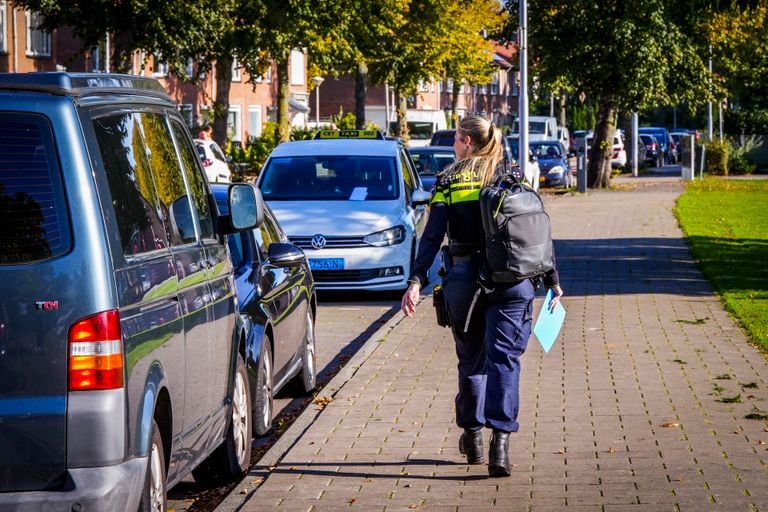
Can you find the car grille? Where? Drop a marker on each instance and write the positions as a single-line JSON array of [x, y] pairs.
[[331, 242]]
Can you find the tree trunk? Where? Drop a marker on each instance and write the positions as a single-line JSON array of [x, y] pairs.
[[221, 102], [401, 112], [455, 104], [599, 169], [361, 79], [562, 111], [283, 91]]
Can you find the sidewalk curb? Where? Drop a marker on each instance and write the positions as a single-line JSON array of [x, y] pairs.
[[240, 494]]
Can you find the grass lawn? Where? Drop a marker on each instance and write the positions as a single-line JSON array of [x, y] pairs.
[[726, 222]]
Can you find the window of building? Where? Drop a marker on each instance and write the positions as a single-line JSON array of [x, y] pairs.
[[38, 41], [495, 84], [236, 70], [3, 27], [297, 68], [160, 67], [189, 69], [255, 121], [423, 86], [234, 125], [186, 111]]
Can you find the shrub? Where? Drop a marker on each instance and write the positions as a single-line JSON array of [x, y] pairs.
[[743, 152], [717, 157]]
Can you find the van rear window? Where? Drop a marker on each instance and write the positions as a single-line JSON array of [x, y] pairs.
[[34, 223]]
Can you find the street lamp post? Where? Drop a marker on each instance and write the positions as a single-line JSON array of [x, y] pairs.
[[317, 80]]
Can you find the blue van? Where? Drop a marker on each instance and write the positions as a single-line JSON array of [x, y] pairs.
[[665, 140], [121, 350]]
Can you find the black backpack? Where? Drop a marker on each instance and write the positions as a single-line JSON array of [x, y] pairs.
[[518, 235]]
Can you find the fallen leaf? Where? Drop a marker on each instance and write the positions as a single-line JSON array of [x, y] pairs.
[[611, 449], [761, 442], [670, 424], [561, 451], [407, 485], [352, 500]]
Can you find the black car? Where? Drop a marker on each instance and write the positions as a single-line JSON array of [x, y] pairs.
[[654, 154], [431, 160], [278, 304]]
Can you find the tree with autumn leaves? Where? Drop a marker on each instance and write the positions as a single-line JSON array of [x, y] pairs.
[[399, 42]]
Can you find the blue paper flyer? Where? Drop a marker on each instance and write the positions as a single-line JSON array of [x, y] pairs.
[[549, 323]]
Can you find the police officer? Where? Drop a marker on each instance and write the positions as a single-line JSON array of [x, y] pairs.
[[490, 329]]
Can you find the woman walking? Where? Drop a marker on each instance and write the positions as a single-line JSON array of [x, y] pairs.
[[491, 341]]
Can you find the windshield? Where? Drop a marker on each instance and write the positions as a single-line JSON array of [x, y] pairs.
[[429, 164], [533, 127], [330, 178], [547, 150], [417, 130]]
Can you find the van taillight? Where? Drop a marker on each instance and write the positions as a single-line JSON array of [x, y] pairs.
[[96, 352]]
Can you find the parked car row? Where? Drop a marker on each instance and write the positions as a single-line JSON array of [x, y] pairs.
[[136, 308]]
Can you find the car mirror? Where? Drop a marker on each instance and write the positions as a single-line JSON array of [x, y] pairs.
[[420, 196], [246, 207], [284, 255]]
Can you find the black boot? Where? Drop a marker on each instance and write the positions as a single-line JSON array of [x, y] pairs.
[[471, 445], [499, 454]]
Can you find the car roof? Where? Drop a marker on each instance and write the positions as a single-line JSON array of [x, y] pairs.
[[83, 84], [432, 149], [336, 147]]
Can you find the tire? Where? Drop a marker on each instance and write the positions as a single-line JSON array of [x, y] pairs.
[[308, 359], [233, 457], [154, 498], [263, 401]]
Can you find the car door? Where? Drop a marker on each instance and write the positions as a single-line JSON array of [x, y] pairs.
[[218, 273], [194, 293], [418, 213], [278, 296]]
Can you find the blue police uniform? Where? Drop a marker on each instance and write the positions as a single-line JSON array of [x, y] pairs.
[[490, 344]]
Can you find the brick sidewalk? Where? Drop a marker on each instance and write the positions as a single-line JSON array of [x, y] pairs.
[[630, 410]]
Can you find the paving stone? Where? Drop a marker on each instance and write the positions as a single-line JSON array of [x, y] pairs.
[[622, 415]]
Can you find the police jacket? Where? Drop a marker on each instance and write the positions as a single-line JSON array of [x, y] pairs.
[[455, 211]]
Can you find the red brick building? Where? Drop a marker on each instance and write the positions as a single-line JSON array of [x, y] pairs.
[[24, 48]]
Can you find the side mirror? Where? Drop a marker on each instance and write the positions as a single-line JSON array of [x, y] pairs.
[[285, 255], [420, 196], [246, 207]]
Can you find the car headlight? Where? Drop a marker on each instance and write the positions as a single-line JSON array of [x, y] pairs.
[[391, 236], [556, 170]]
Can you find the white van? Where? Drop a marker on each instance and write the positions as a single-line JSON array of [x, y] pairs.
[[539, 128], [421, 125]]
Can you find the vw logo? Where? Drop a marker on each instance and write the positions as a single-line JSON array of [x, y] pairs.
[[318, 242]]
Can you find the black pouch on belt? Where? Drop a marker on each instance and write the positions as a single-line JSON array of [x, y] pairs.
[[438, 301]]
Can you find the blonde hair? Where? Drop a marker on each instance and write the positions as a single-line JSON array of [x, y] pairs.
[[487, 149]]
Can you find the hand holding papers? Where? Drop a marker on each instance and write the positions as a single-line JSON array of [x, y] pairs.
[[549, 322]]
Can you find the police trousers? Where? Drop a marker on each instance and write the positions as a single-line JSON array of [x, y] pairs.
[[489, 350]]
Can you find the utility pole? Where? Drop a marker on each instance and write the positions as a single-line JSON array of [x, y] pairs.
[[709, 105], [522, 45]]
